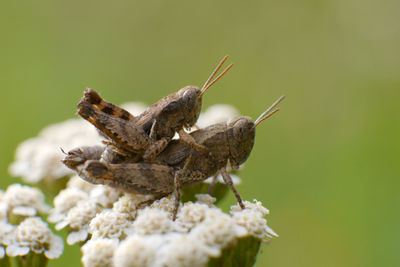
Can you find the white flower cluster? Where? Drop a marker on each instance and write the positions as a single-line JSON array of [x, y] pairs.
[[78, 205], [148, 237], [24, 200], [31, 234]]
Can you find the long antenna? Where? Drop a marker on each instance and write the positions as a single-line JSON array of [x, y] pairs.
[[267, 113], [215, 70], [207, 84]]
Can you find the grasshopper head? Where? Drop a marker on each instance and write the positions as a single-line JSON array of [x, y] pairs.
[[191, 96], [191, 101], [241, 133]]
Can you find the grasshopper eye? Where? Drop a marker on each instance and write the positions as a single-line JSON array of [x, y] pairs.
[[189, 97], [240, 129], [188, 94]]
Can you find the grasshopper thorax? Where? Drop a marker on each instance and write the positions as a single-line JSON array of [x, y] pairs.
[[241, 133]]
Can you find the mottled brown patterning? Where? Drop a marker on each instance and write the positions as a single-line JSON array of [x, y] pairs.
[[147, 134], [179, 164]]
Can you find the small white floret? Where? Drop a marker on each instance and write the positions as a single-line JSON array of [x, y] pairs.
[[99, 252], [191, 214], [25, 200], [256, 206], [182, 250], [77, 220], [252, 219], [166, 203], [64, 201], [34, 235], [109, 224], [152, 221], [78, 183], [216, 231], [138, 251], [205, 199], [104, 195]]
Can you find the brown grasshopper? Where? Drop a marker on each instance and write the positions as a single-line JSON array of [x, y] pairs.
[[179, 164], [147, 134]]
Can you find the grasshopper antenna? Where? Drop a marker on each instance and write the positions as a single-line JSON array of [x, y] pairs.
[[215, 71], [62, 150], [268, 113], [207, 84]]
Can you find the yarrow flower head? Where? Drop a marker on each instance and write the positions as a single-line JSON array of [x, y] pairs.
[[78, 183], [99, 252], [34, 235], [7, 231], [191, 214], [104, 195], [152, 221], [138, 251], [216, 231], [64, 201], [128, 203], [252, 219], [78, 220], [24, 200], [182, 250], [109, 224]]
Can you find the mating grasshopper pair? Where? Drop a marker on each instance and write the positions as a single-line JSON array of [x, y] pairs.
[[140, 155]]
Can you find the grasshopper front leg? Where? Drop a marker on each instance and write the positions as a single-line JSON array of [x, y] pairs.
[[229, 183], [187, 139]]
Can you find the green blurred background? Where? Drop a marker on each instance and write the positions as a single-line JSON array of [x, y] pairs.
[[327, 165]]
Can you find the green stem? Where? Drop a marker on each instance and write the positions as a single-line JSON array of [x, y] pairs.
[[5, 261], [242, 254], [31, 260]]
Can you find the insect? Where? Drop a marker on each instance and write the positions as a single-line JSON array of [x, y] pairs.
[[147, 134], [180, 165]]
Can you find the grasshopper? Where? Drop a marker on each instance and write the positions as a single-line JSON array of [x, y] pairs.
[[179, 164], [147, 134]]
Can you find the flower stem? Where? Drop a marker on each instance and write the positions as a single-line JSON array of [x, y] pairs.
[[5, 261], [31, 260], [241, 254]]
